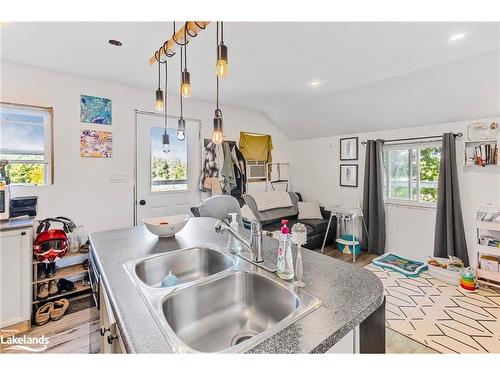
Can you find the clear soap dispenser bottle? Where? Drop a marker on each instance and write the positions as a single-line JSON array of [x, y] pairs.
[[285, 258], [233, 245]]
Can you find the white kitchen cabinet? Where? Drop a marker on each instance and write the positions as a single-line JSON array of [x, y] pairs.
[[15, 278], [111, 341], [349, 344]]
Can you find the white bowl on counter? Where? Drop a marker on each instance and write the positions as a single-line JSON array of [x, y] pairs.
[[166, 226]]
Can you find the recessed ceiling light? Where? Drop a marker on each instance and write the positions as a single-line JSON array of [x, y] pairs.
[[315, 83], [456, 37], [115, 42]]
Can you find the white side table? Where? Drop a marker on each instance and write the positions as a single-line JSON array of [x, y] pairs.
[[352, 214]]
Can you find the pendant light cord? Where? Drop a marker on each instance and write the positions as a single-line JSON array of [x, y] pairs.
[[222, 32], [165, 100], [185, 46], [181, 82], [159, 78], [217, 77]]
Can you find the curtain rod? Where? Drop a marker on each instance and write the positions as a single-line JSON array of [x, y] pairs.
[[416, 138]]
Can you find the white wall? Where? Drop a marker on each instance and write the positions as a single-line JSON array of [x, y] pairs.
[[410, 231], [81, 189]]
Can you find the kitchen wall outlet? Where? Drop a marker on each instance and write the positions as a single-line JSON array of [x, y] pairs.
[[117, 178]]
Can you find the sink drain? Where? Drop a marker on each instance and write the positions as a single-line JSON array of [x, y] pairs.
[[240, 337]]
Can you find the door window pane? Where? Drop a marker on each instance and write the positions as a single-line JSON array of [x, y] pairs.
[[169, 170]]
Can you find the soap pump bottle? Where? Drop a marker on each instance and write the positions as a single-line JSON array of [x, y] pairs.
[[285, 259], [233, 245]]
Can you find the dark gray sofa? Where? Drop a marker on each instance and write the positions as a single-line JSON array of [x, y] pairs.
[[316, 228]]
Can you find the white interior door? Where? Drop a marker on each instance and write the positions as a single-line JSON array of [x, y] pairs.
[[166, 182]]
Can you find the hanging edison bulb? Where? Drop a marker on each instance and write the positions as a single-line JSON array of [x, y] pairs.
[[186, 84], [165, 143], [218, 134], [181, 129], [222, 66], [159, 103]]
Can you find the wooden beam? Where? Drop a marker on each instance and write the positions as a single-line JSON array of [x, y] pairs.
[[194, 27]]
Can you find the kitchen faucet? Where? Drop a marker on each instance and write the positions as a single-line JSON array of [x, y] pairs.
[[255, 243]]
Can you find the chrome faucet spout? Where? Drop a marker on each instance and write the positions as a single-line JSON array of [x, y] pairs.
[[255, 243]]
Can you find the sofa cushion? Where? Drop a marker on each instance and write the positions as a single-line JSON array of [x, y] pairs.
[[317, 226], [269, 216], [309, 210]]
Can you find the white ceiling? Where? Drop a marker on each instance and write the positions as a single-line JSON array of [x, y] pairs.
[[373, 76]]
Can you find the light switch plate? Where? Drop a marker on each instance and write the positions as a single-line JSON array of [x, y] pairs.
[[117, 178]]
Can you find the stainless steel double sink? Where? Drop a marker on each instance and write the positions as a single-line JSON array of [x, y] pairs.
[[223, 303]]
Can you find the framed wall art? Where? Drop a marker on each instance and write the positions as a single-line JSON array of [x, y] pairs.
[[349, 175], [349, 148]]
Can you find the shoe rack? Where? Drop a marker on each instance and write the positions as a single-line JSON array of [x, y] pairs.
[[70, 267]]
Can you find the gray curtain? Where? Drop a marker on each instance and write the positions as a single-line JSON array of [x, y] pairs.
[[449, 237], [373, 198]]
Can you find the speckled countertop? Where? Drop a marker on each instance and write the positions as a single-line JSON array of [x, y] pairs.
[[17, 223], [349, 293]]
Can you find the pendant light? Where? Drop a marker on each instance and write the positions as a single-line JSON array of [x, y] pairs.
[[165, 137], [159, 104], [221, 67], [218, 134], [181, 124], [185, 76]]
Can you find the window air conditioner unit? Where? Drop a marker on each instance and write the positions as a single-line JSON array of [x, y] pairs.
[[256, 170]]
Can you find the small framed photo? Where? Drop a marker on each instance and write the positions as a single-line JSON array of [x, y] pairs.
[[349, 148], [349, 175]]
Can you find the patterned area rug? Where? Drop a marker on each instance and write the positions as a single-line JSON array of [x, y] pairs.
[[439, 315]]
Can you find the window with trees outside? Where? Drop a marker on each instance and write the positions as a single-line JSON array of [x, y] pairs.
[[26, 143], [412, 173], [169, 170]]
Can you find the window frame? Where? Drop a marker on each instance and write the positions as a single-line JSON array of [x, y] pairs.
[[48, 143], [417, 203]]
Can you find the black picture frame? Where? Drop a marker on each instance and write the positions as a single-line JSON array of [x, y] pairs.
[[349, 139], [343, 183]]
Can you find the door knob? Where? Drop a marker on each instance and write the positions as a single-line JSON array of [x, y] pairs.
[[142, 202]]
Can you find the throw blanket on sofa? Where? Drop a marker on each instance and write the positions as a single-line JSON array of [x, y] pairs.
[[268, 200]]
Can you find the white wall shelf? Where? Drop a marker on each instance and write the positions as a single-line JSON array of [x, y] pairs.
[[484, 277], [489, 225], [469, 152]]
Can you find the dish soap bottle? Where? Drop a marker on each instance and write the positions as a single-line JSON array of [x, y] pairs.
[[233, 245], [285, 258]]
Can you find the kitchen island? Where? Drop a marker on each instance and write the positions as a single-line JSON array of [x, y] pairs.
[[352, 300]]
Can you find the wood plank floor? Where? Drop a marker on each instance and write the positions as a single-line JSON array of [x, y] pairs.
[[362, 260], [71, 334]]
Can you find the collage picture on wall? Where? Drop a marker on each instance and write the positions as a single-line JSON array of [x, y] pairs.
[[349, 175], [96, 144], [95, 110]]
